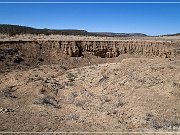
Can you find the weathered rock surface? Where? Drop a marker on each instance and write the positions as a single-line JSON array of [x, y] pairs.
[[34, 52], [98, 48]]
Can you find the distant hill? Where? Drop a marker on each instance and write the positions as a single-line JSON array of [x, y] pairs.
[[16, 29], [177, 34], [110, 34]]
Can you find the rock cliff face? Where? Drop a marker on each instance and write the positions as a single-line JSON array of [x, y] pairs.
[[52, 51], [115, 48]]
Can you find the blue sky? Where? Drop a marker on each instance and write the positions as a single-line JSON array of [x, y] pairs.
[[152, 19]]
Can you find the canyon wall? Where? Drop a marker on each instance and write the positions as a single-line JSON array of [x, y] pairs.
[[52, 51]]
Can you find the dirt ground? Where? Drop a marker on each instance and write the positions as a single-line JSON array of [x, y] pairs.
[[137, 94], [30, 37]]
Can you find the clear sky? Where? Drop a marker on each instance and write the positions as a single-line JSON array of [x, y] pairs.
[[152, 19]]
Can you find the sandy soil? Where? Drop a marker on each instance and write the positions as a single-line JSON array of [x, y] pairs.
[[136, 94]]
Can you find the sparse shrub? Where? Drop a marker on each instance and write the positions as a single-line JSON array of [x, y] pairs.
[[69, 99], [155, 124], [63, 67], [157, 68], [71, 77], [53, 85], [170, 67], [176, 88], [72, 116], [104, 78], [33, 79], [18, 59], [27, 64], [68, 83], [176, 85], [75, 94], [61, 119], [42, 91], [2, 58], [149, 116], [80, 103], [40, 59], [120, 103], [104, 99], [47, 101], [172, 125], [8, 92]]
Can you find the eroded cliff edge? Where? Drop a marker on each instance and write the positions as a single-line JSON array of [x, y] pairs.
[[33, 52]]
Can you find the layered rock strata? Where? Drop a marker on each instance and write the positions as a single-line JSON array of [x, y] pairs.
[[15, 54], [103, 49]]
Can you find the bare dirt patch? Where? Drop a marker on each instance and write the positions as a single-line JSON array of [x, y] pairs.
[[132, 95]]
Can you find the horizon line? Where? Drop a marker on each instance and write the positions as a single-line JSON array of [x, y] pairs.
[[41, 28], [98, 2]]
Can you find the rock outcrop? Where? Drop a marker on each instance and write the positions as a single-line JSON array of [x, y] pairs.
[[115, 48]]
